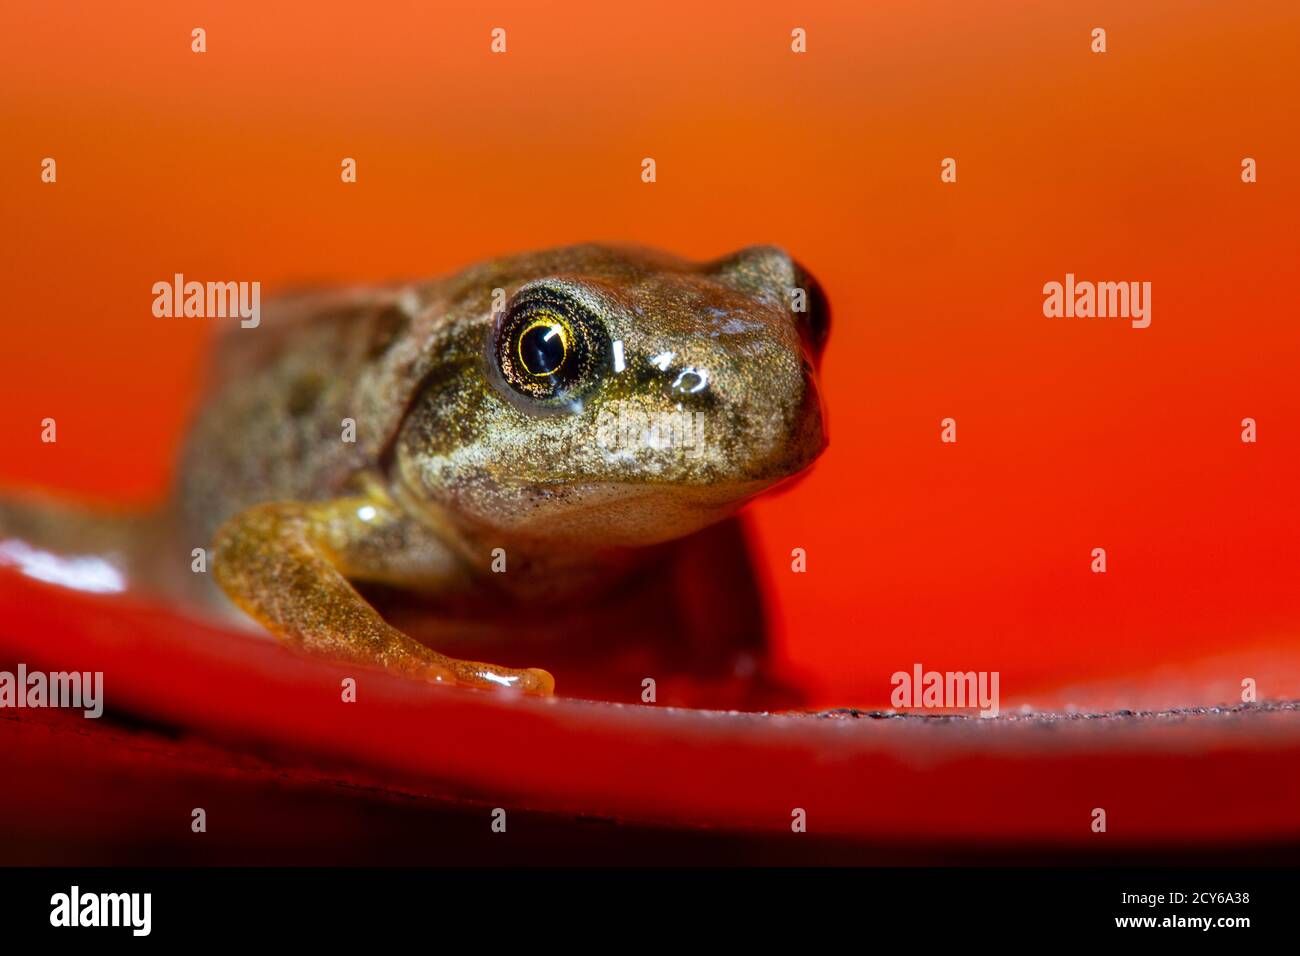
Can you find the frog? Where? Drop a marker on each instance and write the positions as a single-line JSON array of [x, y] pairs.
[[544, 448]]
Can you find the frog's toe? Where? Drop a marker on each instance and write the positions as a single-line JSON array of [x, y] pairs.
[[531, 680], [534, 680]]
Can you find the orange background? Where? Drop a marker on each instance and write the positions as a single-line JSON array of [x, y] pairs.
[[1073, 433]]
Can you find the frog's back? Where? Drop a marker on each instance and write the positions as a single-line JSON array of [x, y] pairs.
[[273, 422]]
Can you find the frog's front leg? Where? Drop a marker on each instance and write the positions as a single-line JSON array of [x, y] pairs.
[[288, 565]]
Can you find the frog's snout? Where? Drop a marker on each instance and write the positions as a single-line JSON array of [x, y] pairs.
[[754, 384], [794, 407], [802, 437], [812, 320], [765, 418]]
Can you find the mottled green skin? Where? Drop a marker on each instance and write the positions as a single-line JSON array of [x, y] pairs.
[[476, 467]]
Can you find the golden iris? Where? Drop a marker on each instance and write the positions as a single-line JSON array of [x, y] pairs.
[[549, 348], [543, 346]]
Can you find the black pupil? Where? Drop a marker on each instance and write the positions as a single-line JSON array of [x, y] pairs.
[[542, 349]]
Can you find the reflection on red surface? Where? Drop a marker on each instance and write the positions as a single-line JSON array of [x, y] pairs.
[[1186, 780]]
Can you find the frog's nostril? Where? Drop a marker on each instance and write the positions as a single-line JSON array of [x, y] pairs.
[[690, 381]]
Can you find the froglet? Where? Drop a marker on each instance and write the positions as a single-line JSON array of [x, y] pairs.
[[545, 446]]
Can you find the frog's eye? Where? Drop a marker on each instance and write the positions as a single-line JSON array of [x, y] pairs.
[[547, 346]]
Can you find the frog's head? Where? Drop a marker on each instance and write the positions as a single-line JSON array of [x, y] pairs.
[[618, 397]]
